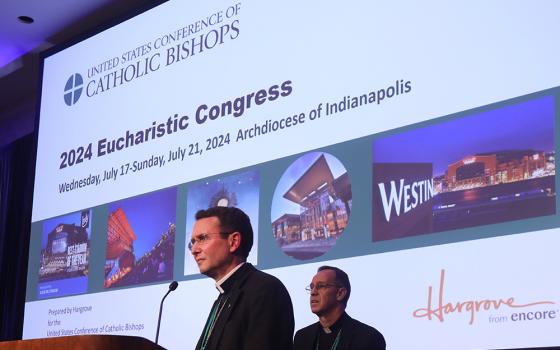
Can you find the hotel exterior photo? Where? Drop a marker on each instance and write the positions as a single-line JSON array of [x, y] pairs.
[[324, 207]]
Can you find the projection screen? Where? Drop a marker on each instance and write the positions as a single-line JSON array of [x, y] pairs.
[[411, 144]]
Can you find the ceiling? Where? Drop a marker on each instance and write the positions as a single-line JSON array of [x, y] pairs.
[[55, 22]]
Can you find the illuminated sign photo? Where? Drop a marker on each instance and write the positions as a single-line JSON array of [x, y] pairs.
[[64, 261], [490, 167]]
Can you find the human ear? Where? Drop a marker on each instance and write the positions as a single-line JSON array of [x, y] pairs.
[[234, 241], [341, 293]]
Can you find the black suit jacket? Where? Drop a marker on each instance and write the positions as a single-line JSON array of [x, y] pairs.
[[355, 336], [258, 314]]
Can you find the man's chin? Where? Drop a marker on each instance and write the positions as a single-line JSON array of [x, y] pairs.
[[207, 272], [202, 269]]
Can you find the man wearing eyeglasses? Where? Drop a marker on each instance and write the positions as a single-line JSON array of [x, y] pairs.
[[253, 309], [329, 293]]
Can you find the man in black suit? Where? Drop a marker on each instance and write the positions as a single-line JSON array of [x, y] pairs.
[[254, 309], [330, 291]]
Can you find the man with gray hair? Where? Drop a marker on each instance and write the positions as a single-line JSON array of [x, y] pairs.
[[329, 293]]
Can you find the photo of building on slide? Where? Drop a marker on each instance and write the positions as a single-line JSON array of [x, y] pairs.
[[64, 255], [311, 206], [238, 190], [141, 239], [489, 167]]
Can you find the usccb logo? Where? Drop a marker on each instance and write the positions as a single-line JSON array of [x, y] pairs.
[[73, 89]]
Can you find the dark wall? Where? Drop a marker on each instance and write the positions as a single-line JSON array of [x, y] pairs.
[[17, 163]]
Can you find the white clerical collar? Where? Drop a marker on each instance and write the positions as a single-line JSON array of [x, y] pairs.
[[228, 275]]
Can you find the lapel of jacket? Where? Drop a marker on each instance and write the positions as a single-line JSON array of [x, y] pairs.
[[347, 334], [201, 338], [234, 294]]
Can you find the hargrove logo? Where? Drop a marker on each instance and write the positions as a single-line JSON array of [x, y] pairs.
[[73, 89], [441, 307]]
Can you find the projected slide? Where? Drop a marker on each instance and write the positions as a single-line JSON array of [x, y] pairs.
[[412, 145]]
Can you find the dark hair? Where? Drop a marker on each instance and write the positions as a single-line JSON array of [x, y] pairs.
[[232, 219], [341, 279]]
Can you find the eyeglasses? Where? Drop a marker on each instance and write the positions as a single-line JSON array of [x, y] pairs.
[[320, 286], [204, 238]]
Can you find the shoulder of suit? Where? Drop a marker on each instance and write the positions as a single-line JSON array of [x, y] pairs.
[[260, 280], [309, 329], [263, 277], [358, 326]]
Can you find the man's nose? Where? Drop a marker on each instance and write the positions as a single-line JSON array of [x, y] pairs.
[[195, 249]]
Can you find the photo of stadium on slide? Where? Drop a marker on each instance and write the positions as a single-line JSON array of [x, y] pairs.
[[238, 190], [311, 206], [141, 239], [489, 167], [64, 255]]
